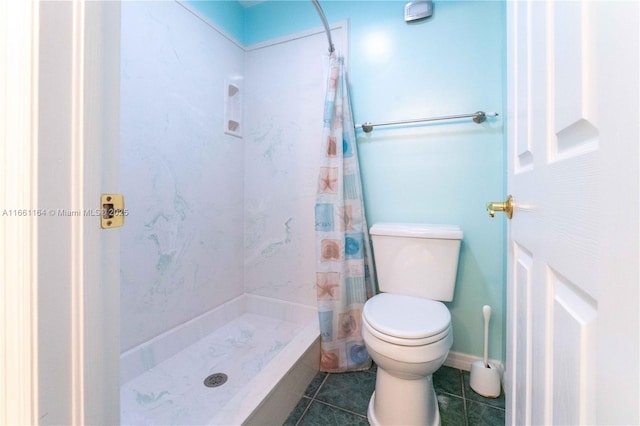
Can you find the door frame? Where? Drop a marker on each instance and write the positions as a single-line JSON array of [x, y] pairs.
[[61, 272], [18, 290]]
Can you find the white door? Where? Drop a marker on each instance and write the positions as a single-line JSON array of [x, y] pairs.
[[573, 136], [60, 281]]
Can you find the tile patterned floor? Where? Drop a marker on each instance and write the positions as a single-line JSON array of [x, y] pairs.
[[324, 401]]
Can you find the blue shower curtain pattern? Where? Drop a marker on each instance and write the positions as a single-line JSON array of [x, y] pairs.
[[344, 278]]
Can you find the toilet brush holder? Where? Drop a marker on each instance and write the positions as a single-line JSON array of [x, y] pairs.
[[485, 379]]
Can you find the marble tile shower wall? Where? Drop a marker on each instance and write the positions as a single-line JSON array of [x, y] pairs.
[[284, 109], [182, 247]]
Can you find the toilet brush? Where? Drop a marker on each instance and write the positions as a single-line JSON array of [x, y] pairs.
[[485, 377]]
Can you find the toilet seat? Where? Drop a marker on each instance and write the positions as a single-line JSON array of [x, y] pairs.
[[406, 320]]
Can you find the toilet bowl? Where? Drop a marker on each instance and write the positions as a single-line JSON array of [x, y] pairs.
[[409, 339], [406, 328]]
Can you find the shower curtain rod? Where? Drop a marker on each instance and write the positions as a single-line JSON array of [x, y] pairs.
[[478, 117], [325, 23]]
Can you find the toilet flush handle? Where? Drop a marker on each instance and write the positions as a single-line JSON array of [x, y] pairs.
[[506, 207]]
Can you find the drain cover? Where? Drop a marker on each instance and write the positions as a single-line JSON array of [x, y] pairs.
[[215, 380]]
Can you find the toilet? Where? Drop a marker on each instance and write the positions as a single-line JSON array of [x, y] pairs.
[[407, 328]]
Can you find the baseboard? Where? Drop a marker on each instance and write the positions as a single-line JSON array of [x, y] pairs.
[[463, 361]]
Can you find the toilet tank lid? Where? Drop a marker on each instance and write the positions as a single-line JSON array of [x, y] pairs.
[[417, 230]]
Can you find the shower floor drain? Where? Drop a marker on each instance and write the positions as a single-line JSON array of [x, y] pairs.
[[215, 380]]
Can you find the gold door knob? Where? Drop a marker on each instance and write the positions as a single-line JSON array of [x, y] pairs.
[[506, 207]]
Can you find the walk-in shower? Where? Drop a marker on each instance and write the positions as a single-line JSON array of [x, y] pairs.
[[218, 296]]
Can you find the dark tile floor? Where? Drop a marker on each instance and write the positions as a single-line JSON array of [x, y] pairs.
[[342, 399]]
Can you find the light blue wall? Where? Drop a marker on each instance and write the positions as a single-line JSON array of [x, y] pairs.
[[227, 15], [444, 172]]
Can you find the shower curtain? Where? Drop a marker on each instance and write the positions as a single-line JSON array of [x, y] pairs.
[[344, 271]]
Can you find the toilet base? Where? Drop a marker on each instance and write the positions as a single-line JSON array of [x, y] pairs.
[[416, 404]]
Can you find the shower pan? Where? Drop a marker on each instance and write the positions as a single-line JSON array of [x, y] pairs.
[[238, 364]]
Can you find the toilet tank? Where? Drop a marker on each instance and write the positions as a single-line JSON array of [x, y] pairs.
[[417, 260]]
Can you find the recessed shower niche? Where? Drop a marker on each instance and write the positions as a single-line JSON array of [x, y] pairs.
[[233, 107]]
